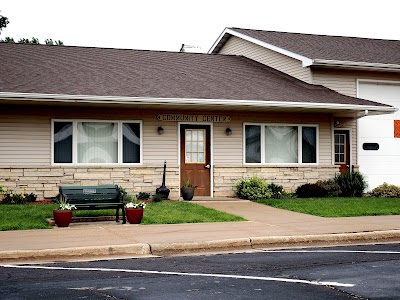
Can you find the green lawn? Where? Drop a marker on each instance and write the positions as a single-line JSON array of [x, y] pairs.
[[18, 217], [339, 207]]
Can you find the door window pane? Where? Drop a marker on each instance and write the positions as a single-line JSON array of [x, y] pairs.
[[131, 142], [309, 144], [340, 146], [195, 151], [62, 140], [281, 144], [97, 142], [253, 143]]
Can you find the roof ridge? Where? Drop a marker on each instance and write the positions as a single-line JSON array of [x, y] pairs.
[[102, 48]]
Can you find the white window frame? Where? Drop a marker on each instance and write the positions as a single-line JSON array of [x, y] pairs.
[[299, 140], [75, 142]]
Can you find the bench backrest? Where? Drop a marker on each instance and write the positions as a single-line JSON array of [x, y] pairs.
[[91, 194]]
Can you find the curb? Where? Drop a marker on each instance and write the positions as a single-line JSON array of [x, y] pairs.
[[140, 250], [75, 253], [327, 239], [185, 248]]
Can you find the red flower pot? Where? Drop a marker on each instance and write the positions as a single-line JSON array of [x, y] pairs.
[[62, 217], [134, 215]]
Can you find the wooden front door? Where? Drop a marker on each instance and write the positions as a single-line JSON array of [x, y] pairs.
[[196, 157], [342, 150]]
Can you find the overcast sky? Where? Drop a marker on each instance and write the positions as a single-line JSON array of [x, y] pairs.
[[166, 24]]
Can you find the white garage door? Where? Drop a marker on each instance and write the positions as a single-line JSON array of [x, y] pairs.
[[383, 164]]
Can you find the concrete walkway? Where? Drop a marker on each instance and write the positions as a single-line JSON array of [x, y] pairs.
[[267, 227]]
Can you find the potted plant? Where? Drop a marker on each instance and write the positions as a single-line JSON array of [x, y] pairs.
[[63, 215], [134, 210], [187, 190]]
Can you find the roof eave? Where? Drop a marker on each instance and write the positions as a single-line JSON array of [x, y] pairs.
[[357, 110]]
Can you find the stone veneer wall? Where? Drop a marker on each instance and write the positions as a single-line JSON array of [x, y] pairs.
[[45, 181], [226, 177]]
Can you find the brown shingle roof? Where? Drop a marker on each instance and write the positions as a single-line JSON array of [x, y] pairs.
[[331, 47], [135, 73]]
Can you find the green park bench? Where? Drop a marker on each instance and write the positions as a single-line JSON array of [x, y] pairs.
[[95, 197]]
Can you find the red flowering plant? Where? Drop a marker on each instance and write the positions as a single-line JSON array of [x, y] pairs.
[[188, 185]]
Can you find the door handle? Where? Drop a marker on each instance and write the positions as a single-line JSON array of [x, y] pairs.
[[207, 166]]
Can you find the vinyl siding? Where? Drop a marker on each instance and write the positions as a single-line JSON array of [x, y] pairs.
[[228, 150], [288, 65], [345, 82], [156, 147], [345, 85], [25, 139]]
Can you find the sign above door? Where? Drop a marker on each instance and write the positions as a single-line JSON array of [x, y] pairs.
[[193, 118]]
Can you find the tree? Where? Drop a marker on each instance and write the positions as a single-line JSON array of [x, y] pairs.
[[3, 22], [8, 40], [34, 41], [51, 42]]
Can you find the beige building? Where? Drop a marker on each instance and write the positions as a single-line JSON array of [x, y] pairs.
[[356, 67], [91, 116]]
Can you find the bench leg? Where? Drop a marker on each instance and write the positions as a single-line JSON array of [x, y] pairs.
[[123, 216], [117, 215]]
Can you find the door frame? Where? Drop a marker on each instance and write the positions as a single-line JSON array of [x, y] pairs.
[[350, 146], [211, 152]]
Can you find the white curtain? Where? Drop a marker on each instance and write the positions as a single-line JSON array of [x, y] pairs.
[[97, 142], [281, 144]]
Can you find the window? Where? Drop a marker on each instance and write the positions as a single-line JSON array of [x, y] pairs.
[[253, 143], [340, 146], [96, 142], [195, 145], [62, 137], [309, 144], [280, 144]]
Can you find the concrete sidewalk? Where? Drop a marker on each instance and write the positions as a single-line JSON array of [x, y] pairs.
[[267, 227]]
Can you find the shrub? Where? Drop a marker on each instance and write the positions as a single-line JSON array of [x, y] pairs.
[[252, 189], [143, 196], [331, 187], [352, 184], [386, 191], [311, 190], [157, 198], [10, 197], [277, 191]]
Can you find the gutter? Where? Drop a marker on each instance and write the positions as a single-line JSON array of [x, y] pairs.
[[36, 97], [353, 65]]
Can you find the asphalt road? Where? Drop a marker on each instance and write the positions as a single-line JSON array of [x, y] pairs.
[[354, 272]]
